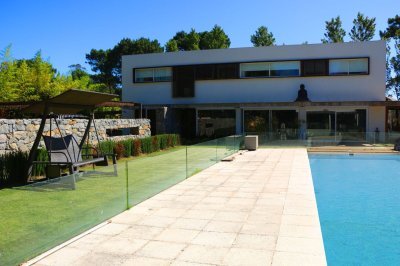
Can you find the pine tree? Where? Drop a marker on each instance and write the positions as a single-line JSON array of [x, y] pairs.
[[262, 37], [392, 35], [363, 28], [334, 31]]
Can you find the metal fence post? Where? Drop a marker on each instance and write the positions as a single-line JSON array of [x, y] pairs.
[[127, 184], [187, 171], [216, 150]]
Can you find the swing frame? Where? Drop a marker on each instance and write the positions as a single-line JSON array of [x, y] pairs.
[[62, 106]]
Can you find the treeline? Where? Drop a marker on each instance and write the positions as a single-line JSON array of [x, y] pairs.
[[35, 78]]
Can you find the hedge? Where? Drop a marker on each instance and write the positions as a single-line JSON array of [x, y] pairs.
[[13, 165]]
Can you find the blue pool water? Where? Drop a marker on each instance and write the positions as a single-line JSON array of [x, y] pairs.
[[358, 200]]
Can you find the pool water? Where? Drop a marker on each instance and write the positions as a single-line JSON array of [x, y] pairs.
[[358, 199]]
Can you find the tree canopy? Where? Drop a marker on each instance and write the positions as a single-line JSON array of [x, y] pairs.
[[392, 35], [35, 79], [334, 31], [214, 39], [106, 64], [262, 37], [363, 28], [183, 41]]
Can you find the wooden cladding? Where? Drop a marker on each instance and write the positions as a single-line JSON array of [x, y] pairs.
[[217, 71], [183, 81], [184, 76], [318, 67]]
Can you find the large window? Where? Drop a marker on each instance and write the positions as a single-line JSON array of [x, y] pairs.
[[285, 69], [160, 74], [270, 69], [356, 66]]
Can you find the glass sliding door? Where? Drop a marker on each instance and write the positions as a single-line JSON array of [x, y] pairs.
[[351, 125], [216, 123], [284, 124], [256, 121], [320, 124]]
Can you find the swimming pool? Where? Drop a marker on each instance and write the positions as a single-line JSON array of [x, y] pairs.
[[358, 200]]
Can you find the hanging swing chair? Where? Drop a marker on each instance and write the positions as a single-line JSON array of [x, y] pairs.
[[65, 153]]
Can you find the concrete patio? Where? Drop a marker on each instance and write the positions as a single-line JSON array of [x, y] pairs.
[[259, 209]]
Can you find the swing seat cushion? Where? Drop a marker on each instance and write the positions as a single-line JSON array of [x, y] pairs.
[[63, 149]]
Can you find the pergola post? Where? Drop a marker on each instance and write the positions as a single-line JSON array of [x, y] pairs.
[[33, 151], [85, 135]]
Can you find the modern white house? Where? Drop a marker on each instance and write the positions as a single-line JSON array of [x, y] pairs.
[[256, 90]]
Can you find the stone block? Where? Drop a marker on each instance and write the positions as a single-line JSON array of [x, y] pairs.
[[4, 129], [30, 127], [3, 138], [19, 127], [20, 135], [13, 146]]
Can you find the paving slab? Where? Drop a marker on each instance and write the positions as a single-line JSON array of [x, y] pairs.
[[258, 209]]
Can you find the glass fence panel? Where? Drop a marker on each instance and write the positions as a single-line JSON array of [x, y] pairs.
[[39, 216], [227, 146], [201, 156], [316, 138], [150, 175]]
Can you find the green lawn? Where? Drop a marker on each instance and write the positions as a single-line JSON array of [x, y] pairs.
[[37, 218]]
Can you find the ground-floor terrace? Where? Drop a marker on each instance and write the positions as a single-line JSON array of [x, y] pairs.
[[328, 122], [259, 209]]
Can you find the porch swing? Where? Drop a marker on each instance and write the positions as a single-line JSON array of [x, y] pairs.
[[64, 152]]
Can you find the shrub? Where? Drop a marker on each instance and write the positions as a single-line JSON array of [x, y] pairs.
[[41, 156], [107, 146], [175, 140], [169, 140], [119, 150], [127, 147], [155, 144], [137, 147], [163, 139], [13, 169], [146, 145]]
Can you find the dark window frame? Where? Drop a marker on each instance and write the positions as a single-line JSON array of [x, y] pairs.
[[152, 81], [349, 73], [213, 65]]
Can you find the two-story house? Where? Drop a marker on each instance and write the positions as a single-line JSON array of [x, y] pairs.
[[254, 90]]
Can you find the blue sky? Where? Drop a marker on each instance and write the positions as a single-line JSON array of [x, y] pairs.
[[66, 30]]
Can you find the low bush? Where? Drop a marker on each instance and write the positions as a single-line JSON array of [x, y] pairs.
[[127, 147], [155, 143], [137, 147], [13, 166], [119, 150], [13, 169], [175, 140], [41, 156], [163, 141], [146, 145], [106, 146]]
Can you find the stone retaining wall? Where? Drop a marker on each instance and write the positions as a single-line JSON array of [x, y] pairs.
[[19, 134]]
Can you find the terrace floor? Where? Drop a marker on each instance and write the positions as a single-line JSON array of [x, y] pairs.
[[259, 209]]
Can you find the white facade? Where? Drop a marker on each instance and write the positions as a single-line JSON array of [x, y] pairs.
[[325, 88], [336, 94]]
